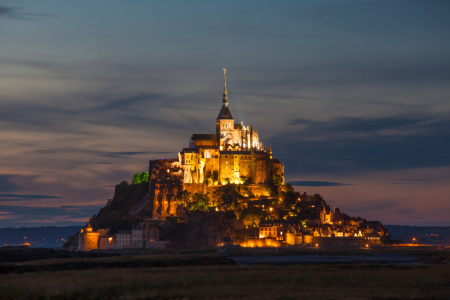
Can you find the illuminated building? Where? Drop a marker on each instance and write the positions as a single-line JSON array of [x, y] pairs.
[[232, 155]]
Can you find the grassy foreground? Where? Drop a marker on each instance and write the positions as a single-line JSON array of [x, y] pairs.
[[233, 282]]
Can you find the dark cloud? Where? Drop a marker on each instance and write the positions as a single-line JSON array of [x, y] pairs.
[[14, 197], [416, 179], [404, 211], [25, 215], [129, 102], [128, 112], [7, 184], [362, 125], [6, 10], [16, 13], [316, 183], [348, 145]]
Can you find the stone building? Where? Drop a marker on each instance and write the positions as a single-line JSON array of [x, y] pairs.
[[89, 240], [143, 235], [122, 239], [233, 154]]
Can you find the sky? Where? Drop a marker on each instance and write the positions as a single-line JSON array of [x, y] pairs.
[[352, 95]]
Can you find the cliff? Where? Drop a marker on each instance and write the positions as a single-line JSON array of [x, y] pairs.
[[129, 206]]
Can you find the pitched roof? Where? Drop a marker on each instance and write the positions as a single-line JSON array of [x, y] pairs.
[[137, 227], [149, 226], [224, 113]]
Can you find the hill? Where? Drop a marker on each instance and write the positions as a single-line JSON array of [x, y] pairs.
[[128, 207]]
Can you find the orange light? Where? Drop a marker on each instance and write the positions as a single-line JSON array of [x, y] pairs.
[[367, 246]]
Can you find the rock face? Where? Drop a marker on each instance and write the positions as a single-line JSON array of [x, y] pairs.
[[72, 243], [203, 229], [129, 206]]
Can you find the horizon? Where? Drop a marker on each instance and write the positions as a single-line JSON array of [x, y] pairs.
[[352, 96]]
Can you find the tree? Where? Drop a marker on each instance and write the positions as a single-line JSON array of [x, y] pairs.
[[199, 202], [289, 199], [183, 198], [316, 198], [245, 180], [140, 177], [277, 179]]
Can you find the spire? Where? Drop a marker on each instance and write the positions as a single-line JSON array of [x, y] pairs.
[[225, 98], [224, 111]]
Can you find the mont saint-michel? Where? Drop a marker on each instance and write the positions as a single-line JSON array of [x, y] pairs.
[[224, 188]]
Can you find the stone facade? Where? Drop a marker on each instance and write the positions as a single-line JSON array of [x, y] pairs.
[[231, 155], [140, 236], [90, 240]]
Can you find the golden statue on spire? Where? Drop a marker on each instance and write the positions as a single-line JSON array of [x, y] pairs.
[[224, 71]]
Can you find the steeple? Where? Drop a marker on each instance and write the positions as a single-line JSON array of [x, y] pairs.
[[225, 111], [225, 98], [270, 151]]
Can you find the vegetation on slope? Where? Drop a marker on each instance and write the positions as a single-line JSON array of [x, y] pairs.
[[116, 215]]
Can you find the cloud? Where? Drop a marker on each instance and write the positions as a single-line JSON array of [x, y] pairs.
[[27, 216], [352, 145], [7, 184], [13, 197], [316, 183], [363, 125], [130, 153], [15, 13]]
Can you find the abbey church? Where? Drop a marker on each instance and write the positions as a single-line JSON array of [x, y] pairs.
[[231, 155]]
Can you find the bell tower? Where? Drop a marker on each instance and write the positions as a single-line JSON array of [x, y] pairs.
[[224, 121]]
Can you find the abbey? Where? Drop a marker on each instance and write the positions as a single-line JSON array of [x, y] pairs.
[[231, 155]]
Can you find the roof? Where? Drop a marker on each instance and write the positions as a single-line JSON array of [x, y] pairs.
[[137, 227], [372, 234], [236, 152], [189, 150], [224, 113], [124, 232], [202, 136]]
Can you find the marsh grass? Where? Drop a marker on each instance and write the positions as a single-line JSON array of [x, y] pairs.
[[233, 282], [138, 261]]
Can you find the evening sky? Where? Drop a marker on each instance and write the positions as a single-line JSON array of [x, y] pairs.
[[352, 95]]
